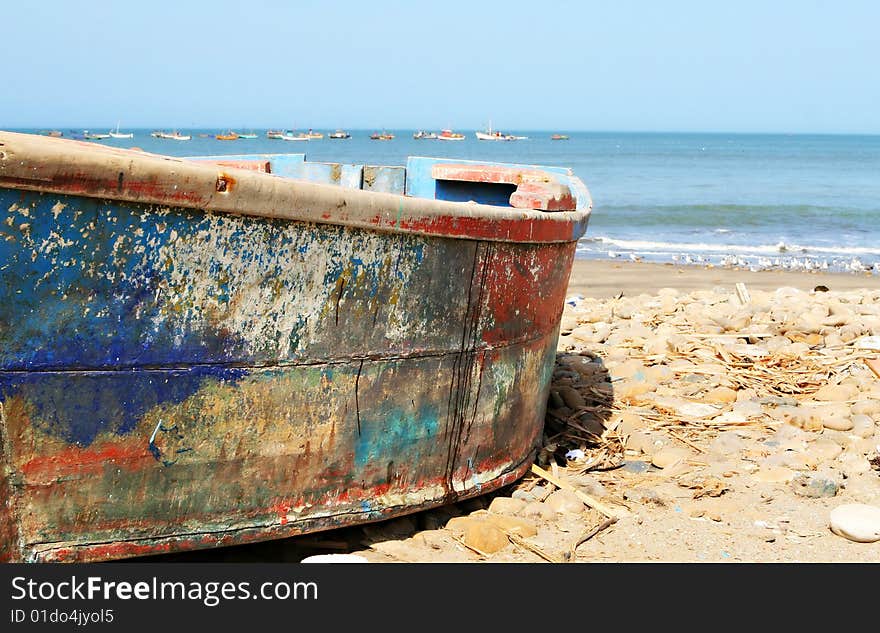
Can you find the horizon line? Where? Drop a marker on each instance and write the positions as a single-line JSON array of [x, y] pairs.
[[373, 128]]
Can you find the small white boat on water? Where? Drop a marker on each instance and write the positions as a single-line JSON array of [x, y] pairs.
[[174, 136], [290, 136], [494, 135], [95, 136], [117, 134]]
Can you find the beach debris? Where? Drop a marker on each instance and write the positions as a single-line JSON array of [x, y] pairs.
[[575, 454], [742, 293]]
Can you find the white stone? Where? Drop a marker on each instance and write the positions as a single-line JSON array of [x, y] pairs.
[[857, 522], [335, 558], [863, 425]]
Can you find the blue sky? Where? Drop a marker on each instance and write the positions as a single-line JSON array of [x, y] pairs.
[[742, 66]]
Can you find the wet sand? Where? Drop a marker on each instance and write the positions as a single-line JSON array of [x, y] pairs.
[[603, 279]]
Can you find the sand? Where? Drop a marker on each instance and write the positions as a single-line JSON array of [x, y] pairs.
[[603, 279]]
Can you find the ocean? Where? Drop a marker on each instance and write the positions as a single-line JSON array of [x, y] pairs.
[[755, 201]]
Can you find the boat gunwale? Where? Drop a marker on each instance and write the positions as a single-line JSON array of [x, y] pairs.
[[69, 167]]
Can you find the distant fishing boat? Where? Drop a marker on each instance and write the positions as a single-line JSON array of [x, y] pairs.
[[174, 136], [274, 133], [247, 136], [95, 136], [559, 137], [424, 135], [384, 136], [449, 135], [228, 136], [493, 135], [314, 135], [117, 134], [339, 134], [290, 136]]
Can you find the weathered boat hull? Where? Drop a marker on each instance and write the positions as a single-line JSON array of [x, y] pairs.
[[175, 375]]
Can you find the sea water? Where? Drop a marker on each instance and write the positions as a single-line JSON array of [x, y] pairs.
[[801, 202]]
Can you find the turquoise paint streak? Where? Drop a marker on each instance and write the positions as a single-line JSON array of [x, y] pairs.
[[396, 436]]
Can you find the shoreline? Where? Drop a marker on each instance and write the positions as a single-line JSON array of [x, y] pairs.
[[602, 279]]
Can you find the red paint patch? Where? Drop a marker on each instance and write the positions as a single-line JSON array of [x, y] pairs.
[[81, 461]]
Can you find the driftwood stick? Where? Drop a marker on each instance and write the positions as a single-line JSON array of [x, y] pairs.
[[586, 536], [592, 502], [685, 441], [520, 542]]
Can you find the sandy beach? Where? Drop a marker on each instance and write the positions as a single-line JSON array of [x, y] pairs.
[[608, 278]]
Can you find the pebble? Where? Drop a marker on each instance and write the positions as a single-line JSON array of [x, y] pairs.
[[590, 485], [727, 443], [564, 502], [866, 407], [524, 495], [484, 536], [645, 442], [457, 525], [822, 450], [629, 422], [720, 395], [836, 393], [635, 466], [514, 525], [863, 425], [506, 505], [572, 397], [538, 510], [857, 522], [666, 457], [852, 463], [814, 486], [774, 475], [335, 558]]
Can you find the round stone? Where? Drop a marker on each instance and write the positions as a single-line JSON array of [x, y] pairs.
[[857, 522], [666, 457], [565, 501]]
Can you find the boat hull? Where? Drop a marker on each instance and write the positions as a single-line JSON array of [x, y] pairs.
[[175, 378]]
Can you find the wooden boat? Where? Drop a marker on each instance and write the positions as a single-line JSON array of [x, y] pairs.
[[449, 135], [314, 135], [216, 350], [384, 136], [339, 134], [227, 136], [274, 133]]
